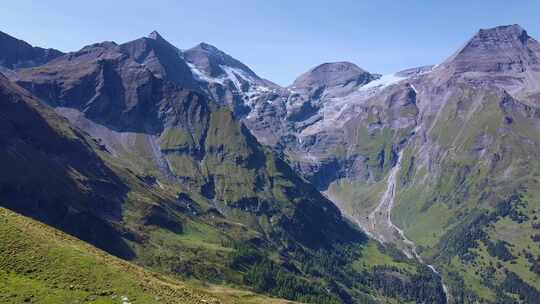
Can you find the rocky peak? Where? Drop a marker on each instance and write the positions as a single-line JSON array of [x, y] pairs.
[[155, 35], [98, 45], [331, 75], [16, 53], [161, 57], [500, 49], [503, 33], [209, 48], [211, 60]]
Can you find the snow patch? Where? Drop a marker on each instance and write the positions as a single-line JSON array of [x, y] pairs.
[[414, 89], [233, 74], [383, 82], [201, 76]]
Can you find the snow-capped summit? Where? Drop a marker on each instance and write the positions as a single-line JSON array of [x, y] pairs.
[[228, 80], [210, 60]]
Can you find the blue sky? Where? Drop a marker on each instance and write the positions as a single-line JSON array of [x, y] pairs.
[[278, 39]]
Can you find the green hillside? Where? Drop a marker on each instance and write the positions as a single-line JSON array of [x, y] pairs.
[[486, 190], [40, 264]]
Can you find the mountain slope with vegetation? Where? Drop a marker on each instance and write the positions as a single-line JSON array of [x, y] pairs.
[[464, 190], [44, 265], [477, 212], [149, 155], [160, 175]]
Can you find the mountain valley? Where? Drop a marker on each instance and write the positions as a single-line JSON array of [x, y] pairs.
[[202, 182]]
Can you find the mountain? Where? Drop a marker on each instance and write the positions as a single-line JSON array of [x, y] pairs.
[[474, 160], [158, 174], [162, 58], [505, 56], [214, 62], [332, 75], [441, 162], [225, 79], [437, 160], [501, 49], [196, 167], [174, 133], [17, 53], [315, 121]]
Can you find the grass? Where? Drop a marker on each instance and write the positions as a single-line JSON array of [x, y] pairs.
[[471, 278], [356, 198], [483, 161], [176, 138], [43, 265], [372, 256]]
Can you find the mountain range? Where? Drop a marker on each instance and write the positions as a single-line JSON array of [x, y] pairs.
[[345, 187]]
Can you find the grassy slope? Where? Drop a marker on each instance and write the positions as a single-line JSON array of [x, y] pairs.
[[454, 214], [42, 264], [486, 153]]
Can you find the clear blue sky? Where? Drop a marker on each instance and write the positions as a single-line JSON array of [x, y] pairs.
[[278, 39]]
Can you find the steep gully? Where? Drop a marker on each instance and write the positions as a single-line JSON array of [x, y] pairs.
[[379, 221]]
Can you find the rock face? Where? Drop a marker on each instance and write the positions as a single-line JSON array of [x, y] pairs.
[[162, 58], [501, 49], [505, 56], [102, 81], [17, 53]]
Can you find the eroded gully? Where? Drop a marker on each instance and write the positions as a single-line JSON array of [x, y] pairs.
[[380, 226]]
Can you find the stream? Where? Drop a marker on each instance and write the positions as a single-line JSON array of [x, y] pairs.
[[381, 227]]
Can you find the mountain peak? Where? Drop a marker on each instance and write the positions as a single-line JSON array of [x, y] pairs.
[[208, 47], [161, 57], [333, 74], [17, 53], [211, 60], [155, 35], [498, 49], [503, 33], [337, 68]]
